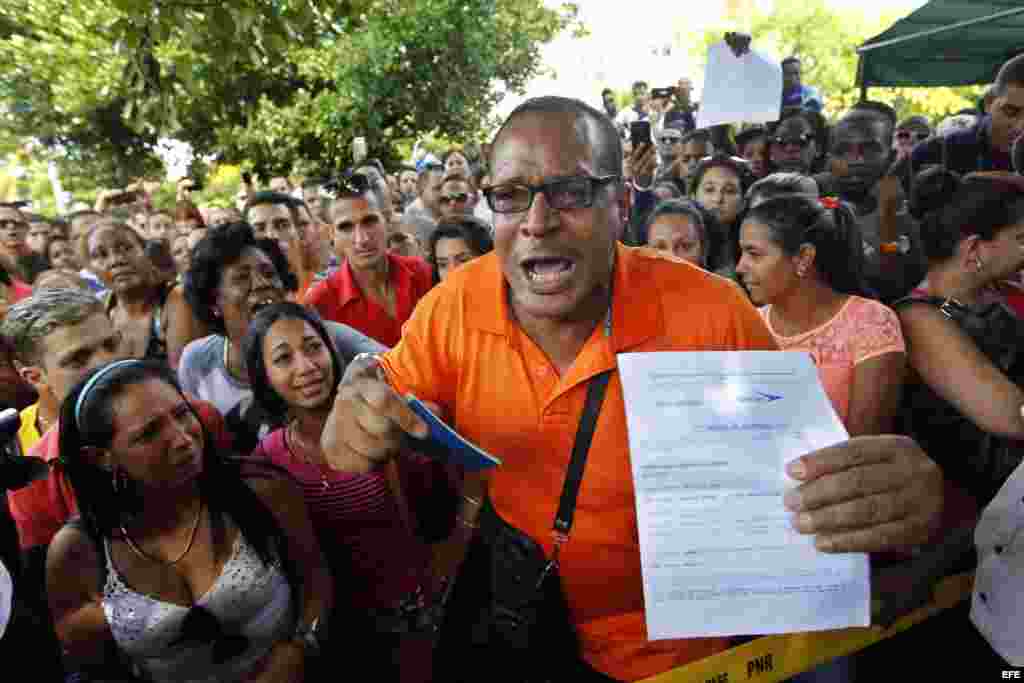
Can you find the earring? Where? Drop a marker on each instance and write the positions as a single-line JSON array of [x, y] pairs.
[[120, 481], [978, 265]]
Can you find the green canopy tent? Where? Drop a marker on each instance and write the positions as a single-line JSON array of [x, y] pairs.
[[946, 42]]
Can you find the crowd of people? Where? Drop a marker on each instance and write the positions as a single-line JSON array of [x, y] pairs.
[[237, 490]]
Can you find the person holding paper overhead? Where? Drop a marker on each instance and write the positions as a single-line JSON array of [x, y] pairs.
[[508, 344]]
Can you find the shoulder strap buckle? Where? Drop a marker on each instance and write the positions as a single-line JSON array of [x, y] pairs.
[[950, 307]]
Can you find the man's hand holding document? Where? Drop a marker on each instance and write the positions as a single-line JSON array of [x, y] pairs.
[[711, 435]]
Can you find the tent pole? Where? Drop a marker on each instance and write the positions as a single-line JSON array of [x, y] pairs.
[[941, 29], [860, 79]]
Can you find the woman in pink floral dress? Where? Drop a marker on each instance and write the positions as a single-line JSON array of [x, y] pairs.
[[801, 261]]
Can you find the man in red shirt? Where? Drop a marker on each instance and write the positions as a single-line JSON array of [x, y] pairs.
[[373, 291]]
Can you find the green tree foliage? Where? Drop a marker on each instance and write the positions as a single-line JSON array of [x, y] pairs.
[[265, 82], [826, 41], [434, 67]]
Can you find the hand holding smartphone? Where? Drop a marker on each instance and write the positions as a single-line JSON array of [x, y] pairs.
[[640, 133]]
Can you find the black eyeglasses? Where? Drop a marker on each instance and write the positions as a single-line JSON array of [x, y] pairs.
[[452, 198], [202, 626], [669, 139], [573, 192], [800, 141]]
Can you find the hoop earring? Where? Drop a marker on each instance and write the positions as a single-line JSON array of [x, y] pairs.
[[127, 495], [119, 481]]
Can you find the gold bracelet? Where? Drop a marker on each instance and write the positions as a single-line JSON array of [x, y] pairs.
[[472, 501]]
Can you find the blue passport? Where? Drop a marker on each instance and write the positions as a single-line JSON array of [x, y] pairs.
[[460, 451]]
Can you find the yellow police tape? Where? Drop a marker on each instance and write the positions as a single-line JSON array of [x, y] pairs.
[[775, 658]]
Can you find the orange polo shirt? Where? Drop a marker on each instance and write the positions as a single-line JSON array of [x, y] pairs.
[[340, 299], [462, 350]]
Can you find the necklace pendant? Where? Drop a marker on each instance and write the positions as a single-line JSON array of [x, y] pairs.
[[323, 481]]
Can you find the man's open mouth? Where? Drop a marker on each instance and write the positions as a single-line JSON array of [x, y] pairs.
[[548, 271]]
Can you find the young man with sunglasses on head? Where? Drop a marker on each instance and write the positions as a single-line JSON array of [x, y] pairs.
[[373, 290]]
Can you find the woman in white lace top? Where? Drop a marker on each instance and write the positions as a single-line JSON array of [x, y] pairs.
[[184, 566]]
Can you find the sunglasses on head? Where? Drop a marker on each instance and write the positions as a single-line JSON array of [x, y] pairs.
[[736, 160], [798, 140], [351, 184], [202, 626]]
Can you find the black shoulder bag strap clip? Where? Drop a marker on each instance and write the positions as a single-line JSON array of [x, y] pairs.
[[574, 474]]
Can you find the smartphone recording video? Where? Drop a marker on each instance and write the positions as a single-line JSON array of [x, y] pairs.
[[640, 133]]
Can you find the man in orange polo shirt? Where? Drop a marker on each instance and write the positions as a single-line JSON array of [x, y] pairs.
[[373, 291], [506, 346]]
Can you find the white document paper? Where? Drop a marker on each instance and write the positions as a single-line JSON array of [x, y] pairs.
[[746, 89], [709, 435]]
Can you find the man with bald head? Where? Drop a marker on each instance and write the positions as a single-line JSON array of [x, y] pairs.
[[506, 348]]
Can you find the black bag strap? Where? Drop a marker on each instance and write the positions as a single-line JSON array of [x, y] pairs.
[[584, 437], [951, 308]]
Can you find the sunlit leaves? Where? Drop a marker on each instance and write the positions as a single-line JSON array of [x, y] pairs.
[[826, 41], [264, 82], [411, 69]]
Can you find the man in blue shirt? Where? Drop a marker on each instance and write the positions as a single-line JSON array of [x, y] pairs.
[[986, 145], [794, 92]]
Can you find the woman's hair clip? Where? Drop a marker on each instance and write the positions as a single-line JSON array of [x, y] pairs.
[[829, 202]]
